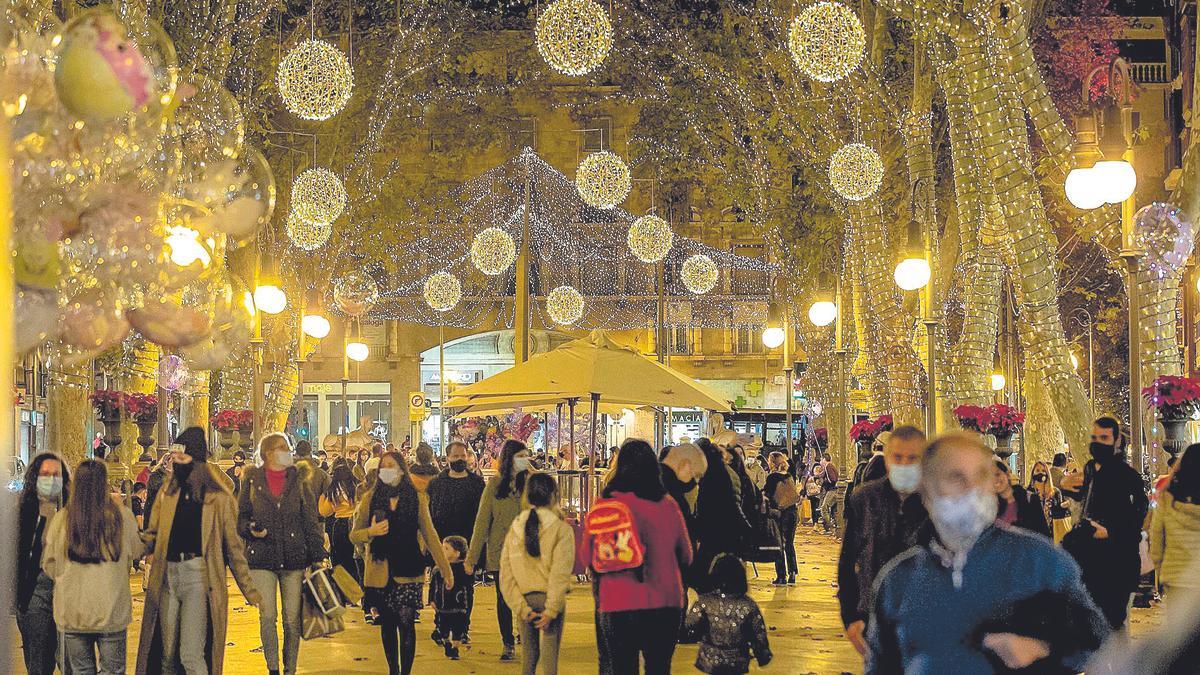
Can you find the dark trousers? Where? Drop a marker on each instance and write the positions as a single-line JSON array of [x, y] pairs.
[[341, 551], [1113, 601], [785, 564], [39, 636], [648, 633], [504, 616]]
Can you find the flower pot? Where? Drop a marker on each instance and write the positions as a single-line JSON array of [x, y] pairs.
[[146, 439], [246, 439], [112, 433], [1003, 444], [225, 440], [1175, 431]]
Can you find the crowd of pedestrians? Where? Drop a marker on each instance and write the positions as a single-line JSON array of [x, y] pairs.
[[947, 563]]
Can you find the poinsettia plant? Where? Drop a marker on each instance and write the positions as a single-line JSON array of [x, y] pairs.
[[107, 403], [1174, 396], [143, 408], [231, 420], [864, 430], [1001, 420], [884, 423], [968, 416]]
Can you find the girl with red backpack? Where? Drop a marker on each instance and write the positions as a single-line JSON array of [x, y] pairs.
[[637, 543]]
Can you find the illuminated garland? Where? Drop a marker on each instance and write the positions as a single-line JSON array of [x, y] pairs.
[[493, 251], [855, 171], [699, 274], [306, 234], [442, 291], [318, 195]]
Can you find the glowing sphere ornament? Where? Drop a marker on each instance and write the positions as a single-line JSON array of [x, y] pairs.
[[173, 373], [564, 305], [315, 80], [650, 238], [355, 292], [699, 274], [493, 251], [318, 195], [574, 36], [855, 171], [603, 180], [827, 41], [442, 291], [308, 235]]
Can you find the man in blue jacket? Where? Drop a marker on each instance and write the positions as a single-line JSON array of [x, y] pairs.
[[977, 597]]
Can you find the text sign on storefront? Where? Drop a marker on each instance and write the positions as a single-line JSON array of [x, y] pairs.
[[416, 406]]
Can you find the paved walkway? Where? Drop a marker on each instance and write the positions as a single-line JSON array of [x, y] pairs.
[[803, 621]]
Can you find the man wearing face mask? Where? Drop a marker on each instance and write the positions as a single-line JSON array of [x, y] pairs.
[[1105, 543], [882, 521], [454, 494], [977, 597]]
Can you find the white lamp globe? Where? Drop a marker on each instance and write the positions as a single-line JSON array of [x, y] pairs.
[[1117, 179], [773, 337], [357, 351], [270, 299], [998, 381], [912, 273], [1083, 190], [822, 313], [315, 326]]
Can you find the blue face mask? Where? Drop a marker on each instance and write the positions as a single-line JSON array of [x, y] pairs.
[[49, 487], [904, 477]]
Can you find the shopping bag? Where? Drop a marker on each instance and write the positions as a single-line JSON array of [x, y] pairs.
[[316, 623], [320, 589], [805, 510], [347, 586]]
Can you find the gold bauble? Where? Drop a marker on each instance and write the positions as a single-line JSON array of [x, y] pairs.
[[564, 305], [308, 235], [603, 180], [355, 292], [318, 195], [493, 251], [650, 238], [827, 41], [699, 274], [574, 36], [315, 80], [855, 171], [442, 291]]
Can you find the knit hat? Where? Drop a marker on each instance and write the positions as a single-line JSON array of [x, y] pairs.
[[194, 444]]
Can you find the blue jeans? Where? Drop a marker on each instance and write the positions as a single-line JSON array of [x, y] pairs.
[[184, 620], [539, 645], [39, 635], [289, 584], [80, 652]]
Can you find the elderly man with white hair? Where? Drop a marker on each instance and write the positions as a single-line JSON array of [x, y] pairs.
[[977, 597]]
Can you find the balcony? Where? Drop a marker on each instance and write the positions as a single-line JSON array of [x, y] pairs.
[[1150, 73]]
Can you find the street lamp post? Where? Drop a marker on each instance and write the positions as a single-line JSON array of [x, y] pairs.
[[779, 332], [914, 273], [1084, 319], [826, 309], [269, 298]]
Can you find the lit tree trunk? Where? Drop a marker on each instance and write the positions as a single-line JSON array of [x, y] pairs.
[[67, 411]]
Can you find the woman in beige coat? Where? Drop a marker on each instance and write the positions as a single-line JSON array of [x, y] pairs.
[[193, 536], [1175, 526]]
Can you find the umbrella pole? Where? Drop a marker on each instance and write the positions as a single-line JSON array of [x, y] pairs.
[[587, 476], [558, 429], [571, 436]]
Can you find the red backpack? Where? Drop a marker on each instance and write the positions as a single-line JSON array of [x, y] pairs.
[[616, 545]]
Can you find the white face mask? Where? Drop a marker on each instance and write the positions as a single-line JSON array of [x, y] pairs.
[[284, 458], [960, 519], [521, 464], [904, 477], [390, 476]]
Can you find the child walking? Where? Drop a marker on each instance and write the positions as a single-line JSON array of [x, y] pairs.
[[452, 606], [727, 623], [535, 574]]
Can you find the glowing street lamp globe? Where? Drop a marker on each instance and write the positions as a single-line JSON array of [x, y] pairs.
[[773, 337], [1116, 178], [1083, 190], [357, 351], [912, 273], [315, 326], [270, 299], [1074, 361], [998, 381], [822, 313]]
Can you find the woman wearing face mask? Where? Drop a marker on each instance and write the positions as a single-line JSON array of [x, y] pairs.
[[235, 472], [1042, 489], [1175, 526], [277, 518], [1015, 506], [500, 504], [391, 521], [47, 484]]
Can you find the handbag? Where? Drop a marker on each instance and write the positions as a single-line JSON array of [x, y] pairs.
[[1080, 542], [317, 624], [321, 590], [349, 589]]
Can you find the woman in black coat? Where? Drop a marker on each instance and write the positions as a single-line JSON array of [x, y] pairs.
[[1017, 507]]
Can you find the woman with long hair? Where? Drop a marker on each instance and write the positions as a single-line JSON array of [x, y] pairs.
[[391, 521], [722, 525], [535, 567], [498, 507], [90, 547], [641, 609], [47, 484], [338, 504], [1042, 489], [1175, 525]]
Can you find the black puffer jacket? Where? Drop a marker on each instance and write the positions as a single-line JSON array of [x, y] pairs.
[[294, 539]]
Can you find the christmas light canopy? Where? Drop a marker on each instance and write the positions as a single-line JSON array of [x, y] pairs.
[[855, 171], [493, 251], [442, 291], [699, 274], [315, 80], [318, 195], [827, 41], [574, 36], [603, 180], [564, 305], [650, 238]]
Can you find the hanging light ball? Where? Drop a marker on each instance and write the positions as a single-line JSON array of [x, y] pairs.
[[564, 305], [650, 238], [355, 292], [493, 251], [699, 274], [308, 235], [574, 36], [315, 80], [827, 41], [318, 195], [442, 291], [855, 171], [603, 180]]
